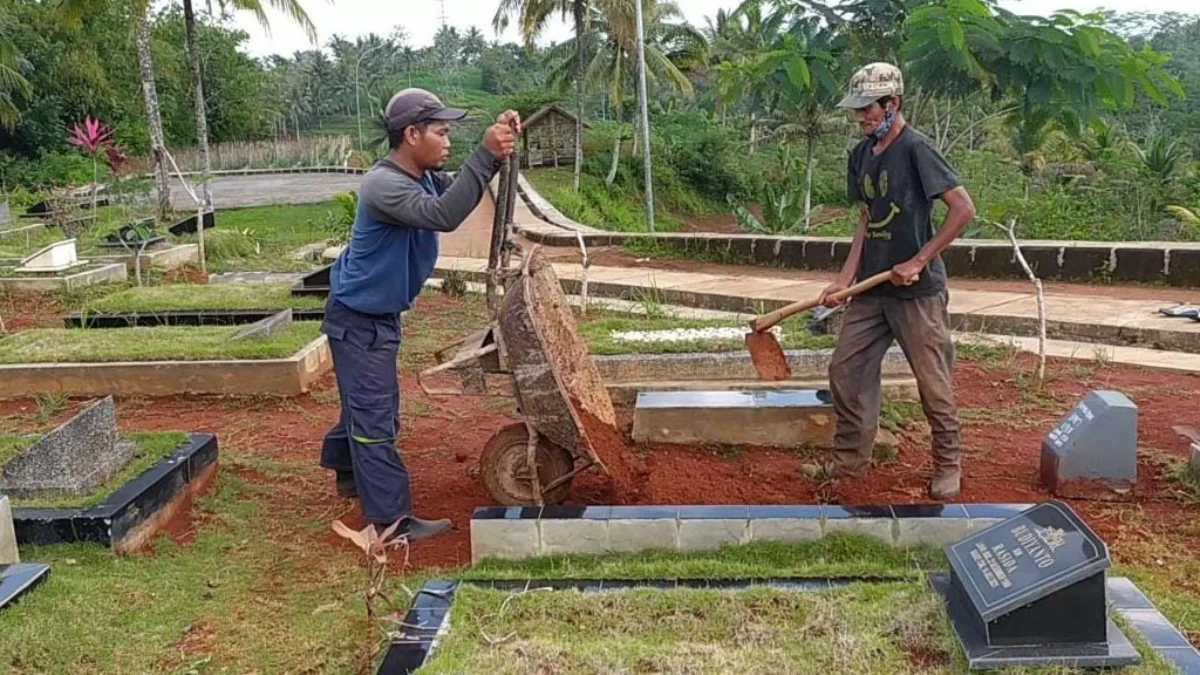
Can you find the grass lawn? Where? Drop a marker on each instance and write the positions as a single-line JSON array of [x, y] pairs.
[[602, 339], [864, 628], [160, 343], [12, 445], [262, 239], [151, 447], [203, 297]]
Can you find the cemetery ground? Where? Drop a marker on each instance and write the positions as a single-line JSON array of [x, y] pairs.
[[253, 579]]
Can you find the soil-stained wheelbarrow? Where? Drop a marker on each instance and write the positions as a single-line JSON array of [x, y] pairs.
[[536, 344]]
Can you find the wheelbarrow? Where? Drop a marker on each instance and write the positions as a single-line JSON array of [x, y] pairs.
[[535, 346]]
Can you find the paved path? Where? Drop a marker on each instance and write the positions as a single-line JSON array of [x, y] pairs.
[[1101, 320], [264, 189]]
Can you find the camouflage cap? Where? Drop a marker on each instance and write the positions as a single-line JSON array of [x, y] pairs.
[[871, 83]]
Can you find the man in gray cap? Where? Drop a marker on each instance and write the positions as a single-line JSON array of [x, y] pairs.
[[895, 175], [404, 201]]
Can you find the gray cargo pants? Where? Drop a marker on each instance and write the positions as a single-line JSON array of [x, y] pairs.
[[922, 327]]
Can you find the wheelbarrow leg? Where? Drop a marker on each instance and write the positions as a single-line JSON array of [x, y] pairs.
[[532, 464]]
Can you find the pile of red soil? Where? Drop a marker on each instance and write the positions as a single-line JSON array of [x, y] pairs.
[[628, 475]]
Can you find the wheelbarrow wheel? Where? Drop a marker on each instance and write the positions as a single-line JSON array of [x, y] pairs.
[[504, 469]]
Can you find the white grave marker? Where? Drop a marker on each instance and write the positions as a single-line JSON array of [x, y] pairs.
[[56, 257]]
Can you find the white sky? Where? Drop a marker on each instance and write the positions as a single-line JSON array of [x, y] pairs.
[[421, 19]]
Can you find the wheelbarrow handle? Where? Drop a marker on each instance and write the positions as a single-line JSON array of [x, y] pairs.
[[464, 357], [767, 321]]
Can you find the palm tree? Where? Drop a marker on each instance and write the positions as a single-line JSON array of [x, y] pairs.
[[291, 8], [737, 42], [532, 16], [12, 82], [672, 48]]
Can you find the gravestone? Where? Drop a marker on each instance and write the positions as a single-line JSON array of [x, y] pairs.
[[82, 454], [265, 327], [1094, 445], [56, 257], [8, 534], [1031, 591], [5, 214]]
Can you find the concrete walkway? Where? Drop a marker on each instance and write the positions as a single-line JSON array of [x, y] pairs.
[[1072, 320]]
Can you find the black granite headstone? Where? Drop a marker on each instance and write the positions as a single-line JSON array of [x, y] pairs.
[[1030, 591]]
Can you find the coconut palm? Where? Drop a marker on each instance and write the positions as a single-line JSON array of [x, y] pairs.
[[532, 15], [12, 82], [672, 49]]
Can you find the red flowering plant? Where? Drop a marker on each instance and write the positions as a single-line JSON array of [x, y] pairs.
[[92, 137]]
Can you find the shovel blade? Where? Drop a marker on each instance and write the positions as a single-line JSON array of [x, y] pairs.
[[767, 356]]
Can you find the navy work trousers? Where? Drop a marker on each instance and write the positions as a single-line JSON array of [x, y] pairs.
[[364, 348]]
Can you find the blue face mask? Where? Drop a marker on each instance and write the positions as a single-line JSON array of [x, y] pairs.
[[885, 126]]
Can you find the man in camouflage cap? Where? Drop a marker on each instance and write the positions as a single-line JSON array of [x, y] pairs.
[[895, 174]]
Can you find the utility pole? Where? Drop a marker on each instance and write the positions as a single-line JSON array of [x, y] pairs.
[[641, 57]]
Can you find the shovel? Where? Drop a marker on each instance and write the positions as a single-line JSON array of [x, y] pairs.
[[765, 352]]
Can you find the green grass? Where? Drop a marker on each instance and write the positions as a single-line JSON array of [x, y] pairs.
[[151, 448], [262, 238], [856, 629], [203, 297], [12, 445], [836, 555], [241, 599], [161, 343], [600, 339], [863, 628]]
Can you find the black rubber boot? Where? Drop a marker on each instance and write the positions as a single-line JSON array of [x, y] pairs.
[[345, 484]]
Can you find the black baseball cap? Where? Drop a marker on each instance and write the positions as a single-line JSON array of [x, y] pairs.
[[413, 106]]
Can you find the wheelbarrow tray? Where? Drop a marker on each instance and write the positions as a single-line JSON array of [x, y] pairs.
[[554, 376]]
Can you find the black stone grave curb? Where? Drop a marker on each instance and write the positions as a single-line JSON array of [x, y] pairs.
[[1154, 628], [183, 318], [429, 617], [515, 532], [18, 579], [134, 503]]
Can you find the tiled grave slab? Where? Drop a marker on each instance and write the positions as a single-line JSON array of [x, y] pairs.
[[516, 532], [782, 418], [121, 519], [427, 619], [417, 636], [18, 579]]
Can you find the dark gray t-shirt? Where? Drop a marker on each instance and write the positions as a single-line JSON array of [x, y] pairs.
[[899, 187]]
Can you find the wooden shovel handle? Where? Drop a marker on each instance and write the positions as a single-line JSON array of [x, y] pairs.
[[767, 321]]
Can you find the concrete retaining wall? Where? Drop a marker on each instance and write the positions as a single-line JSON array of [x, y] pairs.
[[1169, 263]]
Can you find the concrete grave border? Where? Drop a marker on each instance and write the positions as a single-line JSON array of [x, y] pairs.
[[130, 516], [290, 376], [214, 317], [428, 619], [516, 532], [92, 274]]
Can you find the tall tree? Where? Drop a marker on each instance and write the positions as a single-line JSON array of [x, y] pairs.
[[290, 8], [12, 82], [532, 16], [672, 48]]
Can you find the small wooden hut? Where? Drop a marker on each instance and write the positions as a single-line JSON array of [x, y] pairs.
[[548, 138]]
